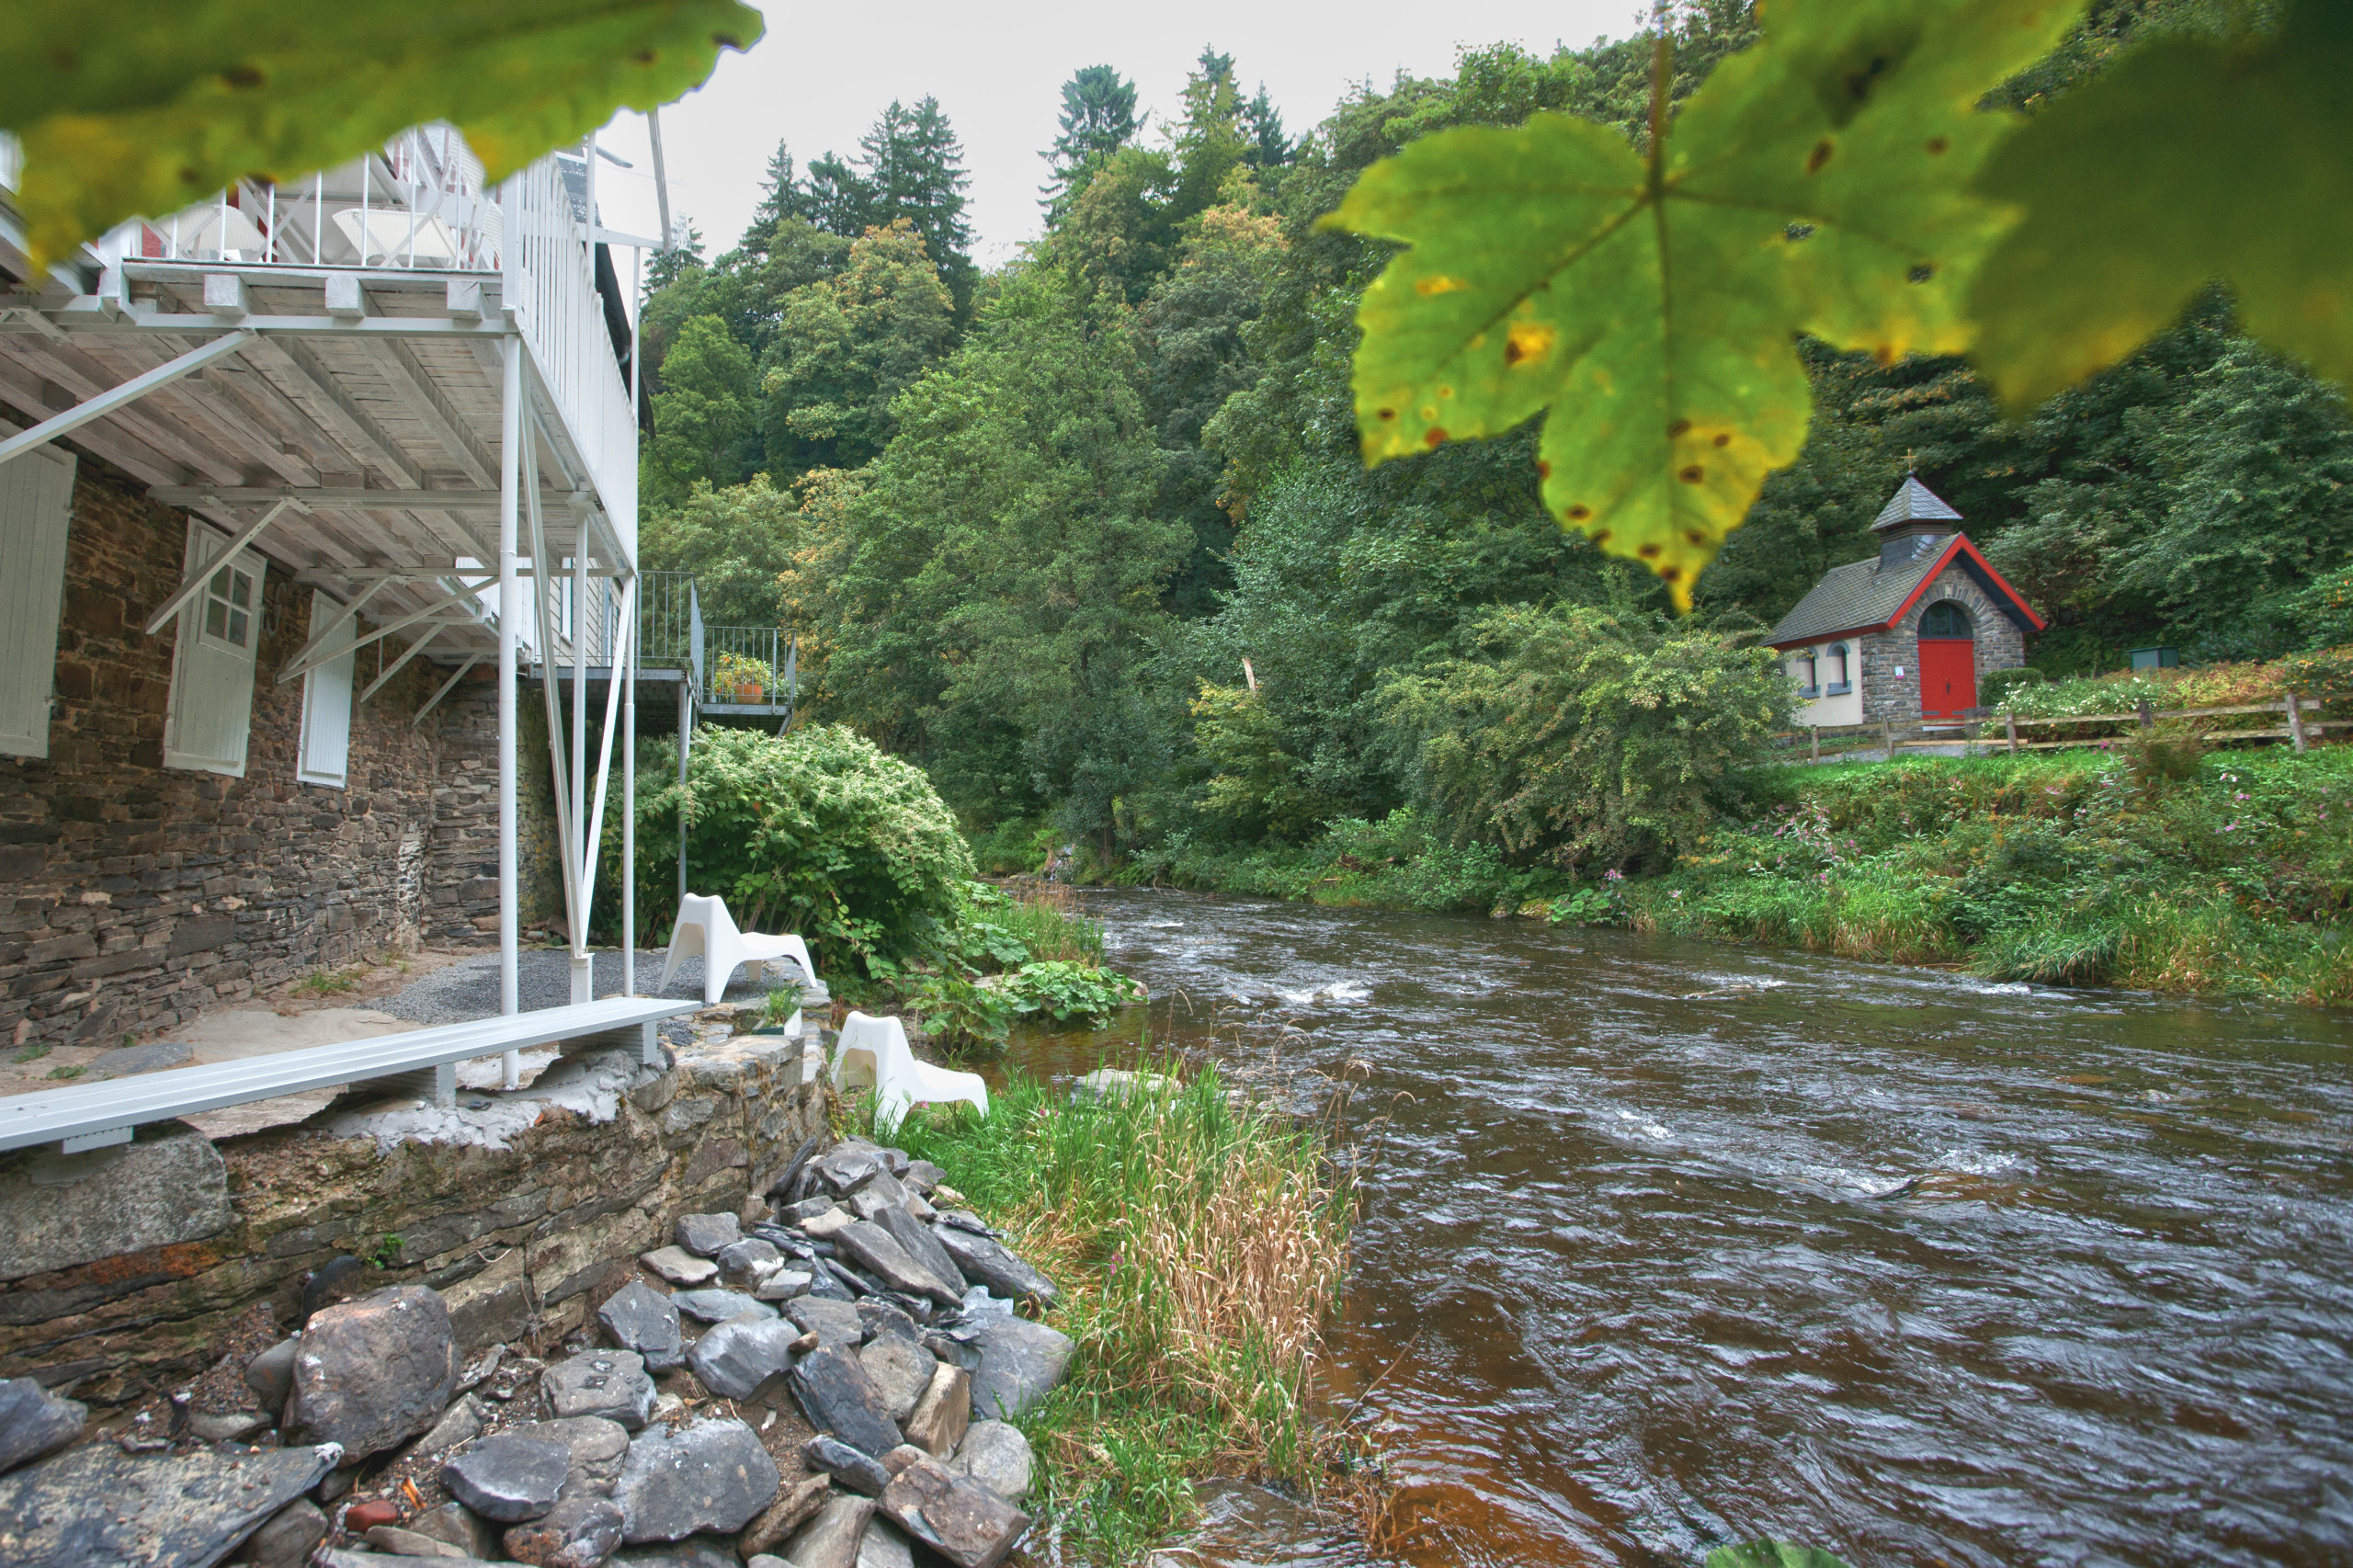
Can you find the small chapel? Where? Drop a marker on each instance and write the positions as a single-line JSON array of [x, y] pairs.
[[1904, 635]]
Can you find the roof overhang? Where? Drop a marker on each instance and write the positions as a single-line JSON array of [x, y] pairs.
[[1958, 549]]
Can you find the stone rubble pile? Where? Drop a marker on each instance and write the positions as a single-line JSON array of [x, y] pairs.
[[832, 1385]]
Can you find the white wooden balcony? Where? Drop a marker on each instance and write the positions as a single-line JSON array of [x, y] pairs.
[[371, 307]]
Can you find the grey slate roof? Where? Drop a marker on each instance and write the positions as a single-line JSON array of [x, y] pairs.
[[1912, 503], [1864, 593]]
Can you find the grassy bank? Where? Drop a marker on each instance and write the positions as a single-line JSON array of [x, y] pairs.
[[2154, 866], [1199, 1243]]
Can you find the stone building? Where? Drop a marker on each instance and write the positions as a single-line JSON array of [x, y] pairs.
[[1904, 635]]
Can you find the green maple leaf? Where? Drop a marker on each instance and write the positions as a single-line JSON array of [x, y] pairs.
[[127, 108], [1816, 183], [2190, 162]]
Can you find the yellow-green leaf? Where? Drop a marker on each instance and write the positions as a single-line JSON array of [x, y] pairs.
[[127, 108], [1818, 184], [2190, 162]]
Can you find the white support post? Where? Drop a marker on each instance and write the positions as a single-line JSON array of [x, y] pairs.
[[510, 616], [629, 819], [583, 974], [629, 696]]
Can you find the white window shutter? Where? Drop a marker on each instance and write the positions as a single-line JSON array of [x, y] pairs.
[[213, 668], [36, 500], [326, 755]]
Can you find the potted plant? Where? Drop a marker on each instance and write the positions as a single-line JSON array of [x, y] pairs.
[[780, 1011]]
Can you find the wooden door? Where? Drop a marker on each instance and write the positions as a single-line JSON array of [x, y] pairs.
[[1947, 677]]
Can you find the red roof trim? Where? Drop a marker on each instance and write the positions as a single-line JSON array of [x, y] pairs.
[[1959, 543]]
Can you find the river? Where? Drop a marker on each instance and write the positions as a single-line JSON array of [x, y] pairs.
[[1673, 1244]]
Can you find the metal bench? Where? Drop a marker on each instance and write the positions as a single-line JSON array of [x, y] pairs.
[[422, 1062]]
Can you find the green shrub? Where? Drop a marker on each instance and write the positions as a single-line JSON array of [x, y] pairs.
[[1585, 736], [1064, 993], [1994, 687], [959, 1016], [816, 832]]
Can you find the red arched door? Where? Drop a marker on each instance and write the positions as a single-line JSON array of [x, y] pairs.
[[1948, 662]]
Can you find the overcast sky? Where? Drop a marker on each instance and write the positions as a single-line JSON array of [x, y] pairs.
[[822, 72]]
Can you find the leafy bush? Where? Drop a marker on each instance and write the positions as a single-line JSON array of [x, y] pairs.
[[1995, 688], [1005, 929], [816, 832], [959, 1016], [1582, 735], [1062, 993]]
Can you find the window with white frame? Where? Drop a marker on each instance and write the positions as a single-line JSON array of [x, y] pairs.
[[36, 502], [1835, 681], [211, 716], [323, 757]]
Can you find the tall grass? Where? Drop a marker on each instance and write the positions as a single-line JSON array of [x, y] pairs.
[[1045, 916], [1200, 1242]]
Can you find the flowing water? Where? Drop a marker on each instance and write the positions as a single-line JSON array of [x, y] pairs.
[[1666, 1243]]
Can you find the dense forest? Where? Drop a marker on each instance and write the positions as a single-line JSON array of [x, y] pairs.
[[1088, 538]]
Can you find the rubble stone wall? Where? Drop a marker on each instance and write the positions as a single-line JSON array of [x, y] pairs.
[[524, 1209], [132, 896]]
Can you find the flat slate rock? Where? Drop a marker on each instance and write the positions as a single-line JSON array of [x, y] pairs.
[[508, 1477], [580, 1533], [986, 1261], [97, 1505], [838, 1397], [1020, 1362], [642, 1319], [137, 1059], [959, 1518], [901, 1369], [838, 1326], [754, 1257], [831, 1539], [34, 1421], [699, 1552], [861, 1472], [680, 1267], [710, 1474], [718, 1306], [739, 1355], [880, 1253], [885, 1546], [610, 1383], [785, 1284], [595, 1450], [923, 1247], [707, 1235], [942, 1415]]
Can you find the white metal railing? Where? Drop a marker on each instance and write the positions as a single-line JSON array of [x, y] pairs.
[[551, 285], [417, 204]]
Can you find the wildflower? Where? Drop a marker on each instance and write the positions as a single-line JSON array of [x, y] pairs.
[[1676, 893], [2240, 796], [1613, 875]]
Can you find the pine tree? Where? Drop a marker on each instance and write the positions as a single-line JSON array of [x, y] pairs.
[[1270, 148], [781, 198], [838, 197], [685, 255], [913, 166], [1098, 117]]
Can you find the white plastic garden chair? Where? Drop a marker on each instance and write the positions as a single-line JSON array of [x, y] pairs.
[[705, 929], [872, 1053]]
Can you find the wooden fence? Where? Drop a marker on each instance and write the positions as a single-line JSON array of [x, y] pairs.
[[2299, 729]]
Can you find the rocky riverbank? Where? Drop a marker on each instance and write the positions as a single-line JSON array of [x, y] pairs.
[[833, 1386]]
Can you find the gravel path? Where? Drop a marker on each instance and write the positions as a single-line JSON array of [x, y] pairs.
[[468, 988]]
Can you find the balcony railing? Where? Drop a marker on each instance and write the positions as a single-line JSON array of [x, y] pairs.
[[749, 666], [417, 204]]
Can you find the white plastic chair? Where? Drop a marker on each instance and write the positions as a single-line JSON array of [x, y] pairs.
[[706, 930], [872, 1053]]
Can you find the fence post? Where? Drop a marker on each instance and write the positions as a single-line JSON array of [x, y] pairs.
[[2011, 723], [1887, 731], [1814, 738], [2295, 724], [2148, 715]]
